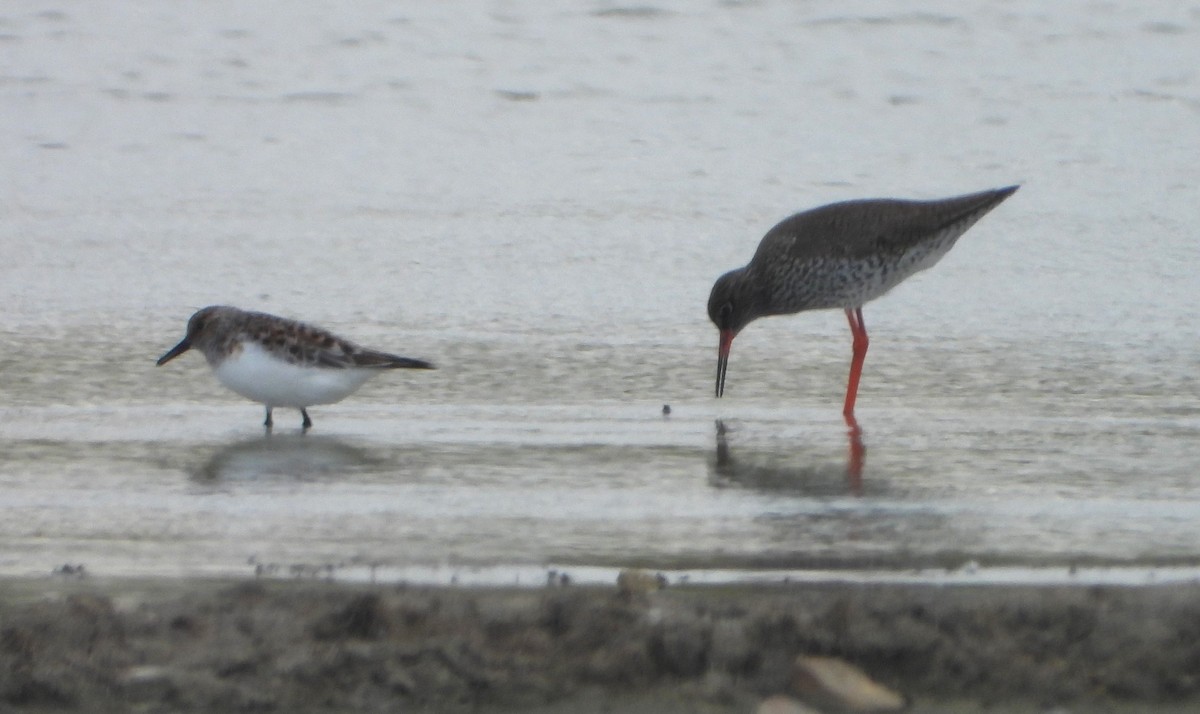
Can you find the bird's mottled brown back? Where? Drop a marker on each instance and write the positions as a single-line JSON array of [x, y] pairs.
[[223, 330], [297, 342]]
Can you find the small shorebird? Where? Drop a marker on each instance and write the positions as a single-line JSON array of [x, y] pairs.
[[280, 362], [841, 256]]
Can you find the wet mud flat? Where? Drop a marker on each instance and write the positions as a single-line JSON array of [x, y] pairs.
[[262, 645]]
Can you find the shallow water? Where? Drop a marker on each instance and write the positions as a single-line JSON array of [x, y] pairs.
[[538, 199]]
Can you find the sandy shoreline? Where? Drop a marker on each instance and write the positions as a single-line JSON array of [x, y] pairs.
[[91, 644]]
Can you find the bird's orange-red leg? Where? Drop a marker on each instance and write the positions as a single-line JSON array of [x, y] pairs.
[[857, 455], [854, 466], [859, 330]]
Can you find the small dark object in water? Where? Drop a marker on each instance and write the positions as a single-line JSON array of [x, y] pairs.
[[666, 410]]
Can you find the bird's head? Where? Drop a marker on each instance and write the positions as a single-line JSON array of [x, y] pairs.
[[199, 329], [733, 303]]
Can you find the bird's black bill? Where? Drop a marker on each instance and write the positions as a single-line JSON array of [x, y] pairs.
[[723, 360], [183, 346]]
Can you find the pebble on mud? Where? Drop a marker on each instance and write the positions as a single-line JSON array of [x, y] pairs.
[[730, 648], [147, 682], [639, 582], [363, 617], [680, 647], [837, 684]]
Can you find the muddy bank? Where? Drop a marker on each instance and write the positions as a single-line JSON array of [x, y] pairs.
[[292, 646]]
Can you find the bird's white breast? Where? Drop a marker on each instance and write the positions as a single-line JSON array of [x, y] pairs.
[[257, 375]]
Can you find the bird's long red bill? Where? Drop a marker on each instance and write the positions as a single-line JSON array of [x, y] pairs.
[[723, 359]]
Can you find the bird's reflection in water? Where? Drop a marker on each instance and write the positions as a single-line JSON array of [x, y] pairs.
[[295, 457], [768, 473]]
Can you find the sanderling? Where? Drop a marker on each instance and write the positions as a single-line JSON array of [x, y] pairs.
[[280, 362]]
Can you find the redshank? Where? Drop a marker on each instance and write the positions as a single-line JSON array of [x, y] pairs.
[[841, 256]]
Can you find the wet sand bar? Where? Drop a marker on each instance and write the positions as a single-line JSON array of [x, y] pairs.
[[299, 645]]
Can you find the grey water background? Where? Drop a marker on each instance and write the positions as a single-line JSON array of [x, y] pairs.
[[537, 197]]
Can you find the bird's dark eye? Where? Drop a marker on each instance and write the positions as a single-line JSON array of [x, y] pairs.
[[725, 311]]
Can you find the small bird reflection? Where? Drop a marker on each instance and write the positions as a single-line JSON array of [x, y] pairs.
[[813, 478], [288, 456]]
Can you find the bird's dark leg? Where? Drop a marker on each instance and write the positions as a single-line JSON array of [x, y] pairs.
[[269, 422], [307, 423], [859, 329]]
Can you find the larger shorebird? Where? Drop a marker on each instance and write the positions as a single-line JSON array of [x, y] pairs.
[[280, 362], [841, 256]]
